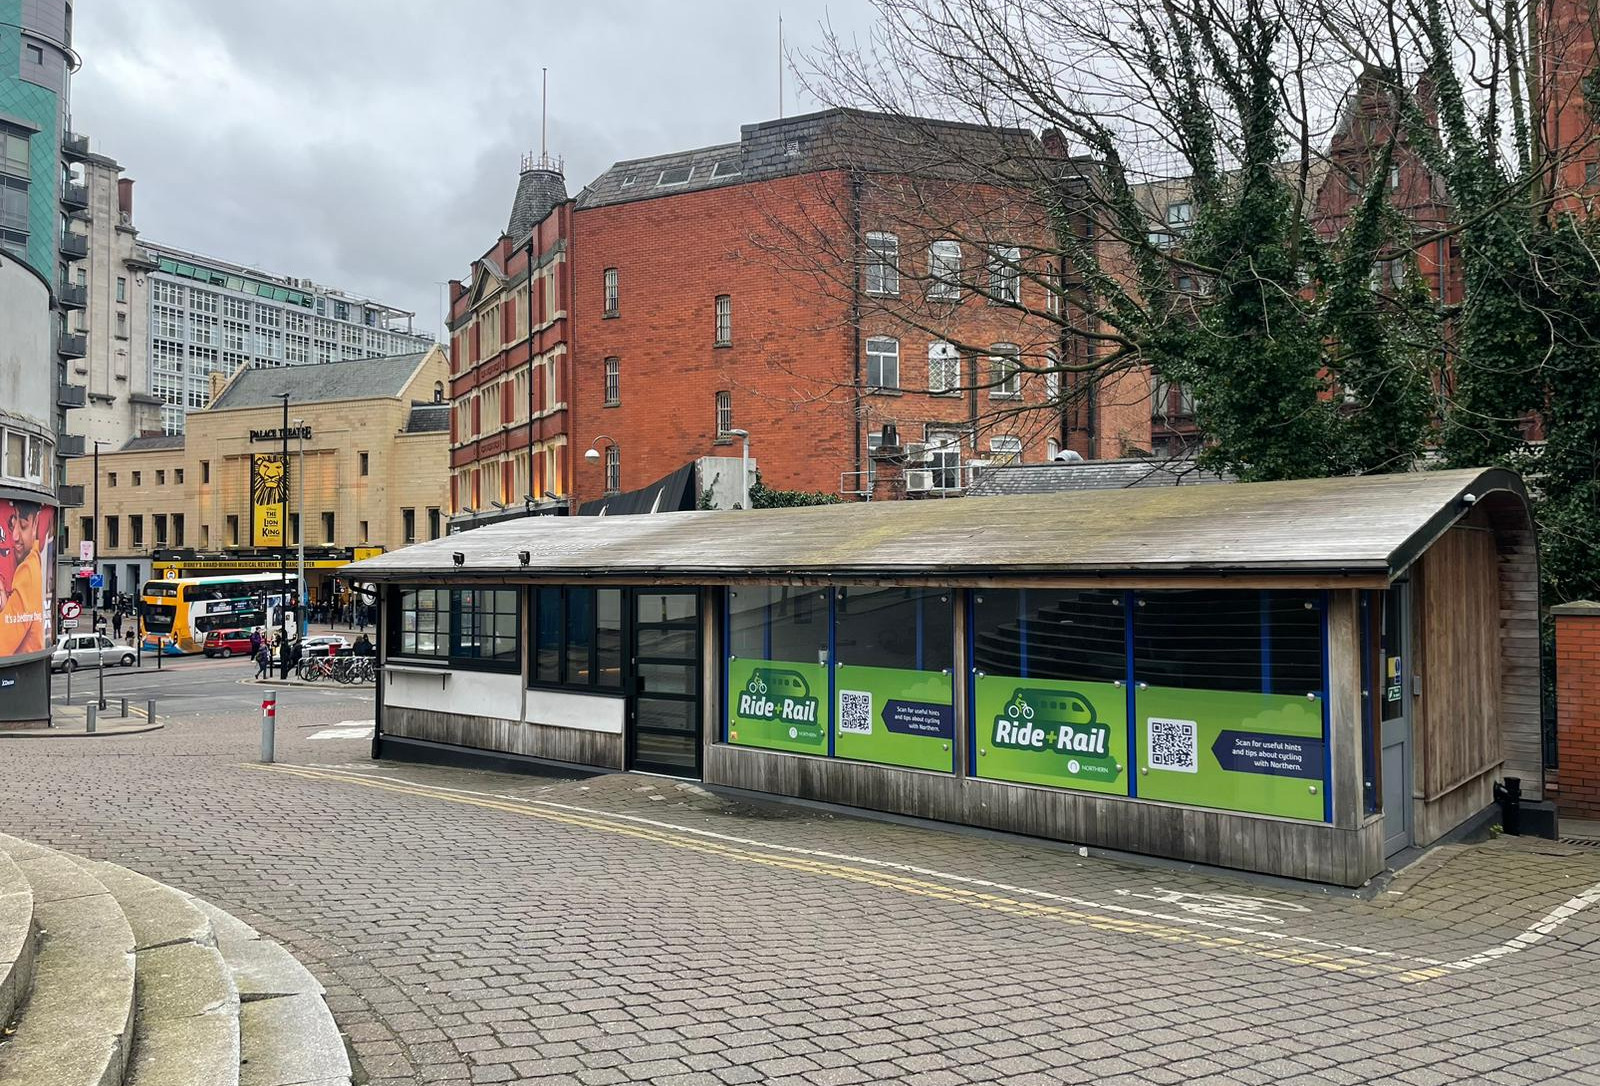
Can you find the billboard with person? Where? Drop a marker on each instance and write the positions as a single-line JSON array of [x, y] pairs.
[[27, 607]]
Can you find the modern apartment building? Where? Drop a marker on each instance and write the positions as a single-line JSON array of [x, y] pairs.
[[210, 316]]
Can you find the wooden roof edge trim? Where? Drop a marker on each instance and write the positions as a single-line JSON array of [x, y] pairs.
[[1286, 578], [1490, 481]]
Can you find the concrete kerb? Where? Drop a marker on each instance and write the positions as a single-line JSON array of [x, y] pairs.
[[70, 723]]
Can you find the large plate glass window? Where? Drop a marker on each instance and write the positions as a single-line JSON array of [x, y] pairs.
[[893, 661], [1229, 700], [1049, 692], [778, 668]]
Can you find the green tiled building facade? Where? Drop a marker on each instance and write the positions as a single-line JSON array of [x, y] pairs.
[[35, 65]]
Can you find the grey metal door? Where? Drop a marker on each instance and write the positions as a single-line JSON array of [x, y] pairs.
[[1395, 692]]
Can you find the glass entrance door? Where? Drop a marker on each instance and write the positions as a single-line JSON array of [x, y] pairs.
[[664, 686]]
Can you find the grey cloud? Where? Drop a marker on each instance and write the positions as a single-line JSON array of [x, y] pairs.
[[373, 144]]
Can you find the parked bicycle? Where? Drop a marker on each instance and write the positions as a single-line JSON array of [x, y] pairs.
[[341, 669]]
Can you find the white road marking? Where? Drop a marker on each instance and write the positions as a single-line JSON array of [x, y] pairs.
[[1536, 931], [345, 729]]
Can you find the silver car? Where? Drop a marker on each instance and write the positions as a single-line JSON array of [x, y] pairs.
[[87, 650]]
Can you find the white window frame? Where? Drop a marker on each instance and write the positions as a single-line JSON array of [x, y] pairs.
[[944, 270], [1005, 275], [1005, 385], [884, 350], [611, 297], [613, 470], [724, 413], [883, 263], [1005, 449], [944, 369], [944, 458], [723, 305], [1180, 215]]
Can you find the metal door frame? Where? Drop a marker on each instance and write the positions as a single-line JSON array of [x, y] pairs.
[[632, 684], [1400, 730]]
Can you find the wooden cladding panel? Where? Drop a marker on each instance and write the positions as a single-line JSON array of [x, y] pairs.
[[572, 745], [1458, 620]]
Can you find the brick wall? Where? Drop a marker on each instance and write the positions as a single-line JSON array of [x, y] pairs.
[[1578, 707]]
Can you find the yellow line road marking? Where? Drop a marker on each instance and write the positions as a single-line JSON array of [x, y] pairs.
[[919, 887]]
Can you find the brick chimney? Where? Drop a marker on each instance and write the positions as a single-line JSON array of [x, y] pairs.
[[889, 467]]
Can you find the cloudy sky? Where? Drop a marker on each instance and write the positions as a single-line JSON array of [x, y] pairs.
[[373, 145]]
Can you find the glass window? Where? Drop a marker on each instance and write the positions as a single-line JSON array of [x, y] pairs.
[[577, 637], [944, 269], [1005, 274], [778, 668], [893, 667], [944, 368], [424, 622], [613, 382], [724, 412], [16, 454], [883, 263], [724, 330], [906, 628], [610, 292], [1005, 449], [608, 660], [1222, 639], [883, 362], [547, 635], [485, 624], [1005, 377]]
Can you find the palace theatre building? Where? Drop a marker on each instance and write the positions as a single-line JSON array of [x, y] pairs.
[[1300, 678]]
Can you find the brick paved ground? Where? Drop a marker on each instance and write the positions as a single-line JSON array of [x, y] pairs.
[[626, 929]]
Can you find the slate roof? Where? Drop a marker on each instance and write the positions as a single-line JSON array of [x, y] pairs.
[[152, 443], [538, 191], [1057, 477], [357, 379], [428, 418], [1369, 528], [832, 139]]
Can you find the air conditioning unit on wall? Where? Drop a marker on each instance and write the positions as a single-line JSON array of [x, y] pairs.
[[919, 482], [918, 453]]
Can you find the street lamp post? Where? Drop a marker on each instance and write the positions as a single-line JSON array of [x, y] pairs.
[[744, 465], [283, 549], [300, 536]]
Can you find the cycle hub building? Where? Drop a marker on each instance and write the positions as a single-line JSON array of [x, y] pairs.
[[1299, 678]]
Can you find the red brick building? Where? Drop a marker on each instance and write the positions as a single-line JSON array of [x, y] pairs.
[[1568, 54], [816, 281], [510, 359]]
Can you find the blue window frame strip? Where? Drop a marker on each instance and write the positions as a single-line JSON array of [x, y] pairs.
[[1266, 640], [1369, 691], [727, 647], [921, 595], [1024, 634], [1327, 722], [972, 683], [1128, 607], [833, 664]]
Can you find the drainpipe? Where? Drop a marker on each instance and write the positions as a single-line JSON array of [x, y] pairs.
[[855, 326]]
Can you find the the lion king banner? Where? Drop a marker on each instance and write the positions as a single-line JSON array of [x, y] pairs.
[[269, 493], [27, 558]]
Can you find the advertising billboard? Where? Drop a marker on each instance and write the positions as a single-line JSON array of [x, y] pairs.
[[269, 489], [27, 559]]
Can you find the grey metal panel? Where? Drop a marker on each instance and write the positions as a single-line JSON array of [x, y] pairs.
[[1359, 525]]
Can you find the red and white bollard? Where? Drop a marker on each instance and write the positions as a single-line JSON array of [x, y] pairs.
[[269, 724]]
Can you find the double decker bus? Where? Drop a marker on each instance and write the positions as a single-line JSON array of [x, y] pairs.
[[176, 615]]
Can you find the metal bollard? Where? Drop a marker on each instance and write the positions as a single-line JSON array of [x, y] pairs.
[[150, 711], [91, 707], [269, 724], [124, 708]]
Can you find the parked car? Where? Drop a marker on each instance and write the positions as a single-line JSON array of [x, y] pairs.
[[226, 643], [87, 650], [324, 645]]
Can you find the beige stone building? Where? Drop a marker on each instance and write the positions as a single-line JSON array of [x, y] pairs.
[[373, 435]]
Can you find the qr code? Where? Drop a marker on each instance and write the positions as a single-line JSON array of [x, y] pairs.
[[855, 712], [1173, 745]]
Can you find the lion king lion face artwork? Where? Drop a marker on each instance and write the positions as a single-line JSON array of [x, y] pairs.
[[266, 488]]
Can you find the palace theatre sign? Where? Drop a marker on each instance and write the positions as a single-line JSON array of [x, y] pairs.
[[279, 433]]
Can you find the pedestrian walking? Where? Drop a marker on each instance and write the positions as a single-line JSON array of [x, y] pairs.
[[263, 662], [116, 623], [255, 642]]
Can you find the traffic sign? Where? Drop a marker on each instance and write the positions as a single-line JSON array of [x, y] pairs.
[[97, 581], [71, 608], [86, 550], [69, 624]]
